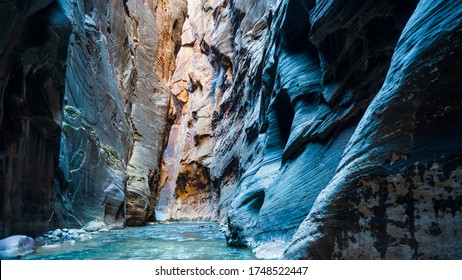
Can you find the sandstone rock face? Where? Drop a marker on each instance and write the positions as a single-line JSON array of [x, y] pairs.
[[33, 49], [121, 57], [408, 143], [101, 71], [186, 190], [96, 132], [280, 131], [155, 29], [201, 159], [318, 87]]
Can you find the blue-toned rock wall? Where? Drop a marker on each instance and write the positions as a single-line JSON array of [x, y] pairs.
[[317, 127]]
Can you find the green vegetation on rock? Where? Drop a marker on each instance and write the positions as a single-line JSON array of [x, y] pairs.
[[72, 112], [110, 151]]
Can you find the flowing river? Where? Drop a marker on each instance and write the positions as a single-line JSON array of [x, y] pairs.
[[175, 241]]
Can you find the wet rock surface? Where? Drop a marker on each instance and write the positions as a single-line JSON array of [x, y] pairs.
[[58, 236]]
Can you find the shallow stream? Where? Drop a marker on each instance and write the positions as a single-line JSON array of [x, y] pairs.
[[175, 241]]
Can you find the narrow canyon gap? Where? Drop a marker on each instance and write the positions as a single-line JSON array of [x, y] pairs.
[[307, 129]]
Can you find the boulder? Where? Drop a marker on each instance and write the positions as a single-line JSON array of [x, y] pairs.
[[95, 226], [16, 246], [58, 233]]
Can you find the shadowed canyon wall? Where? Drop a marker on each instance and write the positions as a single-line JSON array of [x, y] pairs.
[[121, 57], [33, 49], [307, 129], [85, 94]]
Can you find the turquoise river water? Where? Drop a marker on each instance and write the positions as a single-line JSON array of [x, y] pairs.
[[175, 241]]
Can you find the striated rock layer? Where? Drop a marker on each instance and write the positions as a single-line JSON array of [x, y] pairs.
[[155, 28], [319, 129], [121, 56], [202, 75], [396, 193], [84, 108], [96, 132]]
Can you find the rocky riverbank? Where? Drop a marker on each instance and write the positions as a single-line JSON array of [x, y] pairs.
[[62, 235], [18, 246]]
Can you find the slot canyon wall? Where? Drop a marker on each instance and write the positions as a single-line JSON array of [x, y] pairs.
[[85, 94], [319, 129], [33, 50], [307, 129], [120, 60]]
